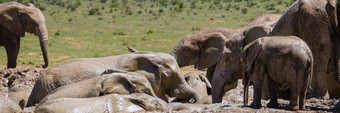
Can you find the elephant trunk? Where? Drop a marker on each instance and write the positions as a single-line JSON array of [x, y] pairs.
[[186, 92], [43, 39]]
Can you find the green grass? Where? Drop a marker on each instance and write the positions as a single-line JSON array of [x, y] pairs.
[[146, 26]]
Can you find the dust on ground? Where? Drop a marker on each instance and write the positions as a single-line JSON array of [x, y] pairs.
[[25, 77]]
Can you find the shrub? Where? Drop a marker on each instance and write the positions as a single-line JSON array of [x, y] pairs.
[[149, 32], [94, 11], [244, 10], [119, 33], [160, 10], [57, 33]]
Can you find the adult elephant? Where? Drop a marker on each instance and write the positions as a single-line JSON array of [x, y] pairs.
[[204, 49], [16, 19], [161, 70], [308, 19]]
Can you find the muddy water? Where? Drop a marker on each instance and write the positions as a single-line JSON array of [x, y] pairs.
[[16, 84]]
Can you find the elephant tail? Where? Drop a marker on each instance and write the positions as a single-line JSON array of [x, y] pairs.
[[309, 70]]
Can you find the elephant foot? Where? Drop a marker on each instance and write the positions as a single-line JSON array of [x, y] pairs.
[[255, 105], [303, 108], [291, 107], [273, 104]]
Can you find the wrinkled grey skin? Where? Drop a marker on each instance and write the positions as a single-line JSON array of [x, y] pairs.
[[309, 20], [283, 59], [116, 81], [16, 19], [204, 49], [9, 106], [160, 69], [135, 102], [201, 84], [227, 73]]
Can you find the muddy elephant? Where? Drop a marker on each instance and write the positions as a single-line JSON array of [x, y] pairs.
[[9, 106], [161, 70], [135, 102], [114, 81], [199, 83], [309, 20], [16, 19], [283, 59], [204, 49]]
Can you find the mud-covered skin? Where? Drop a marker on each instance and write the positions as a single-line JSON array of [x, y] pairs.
[[116, 82], [199, 83], [229, 69], [309, 20], [160, 69], [204, 51], [136, 102], [283, 59], [9, 106], [16, 19]]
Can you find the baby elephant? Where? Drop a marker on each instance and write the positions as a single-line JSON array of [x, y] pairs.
[[283, 59], [113, 81]]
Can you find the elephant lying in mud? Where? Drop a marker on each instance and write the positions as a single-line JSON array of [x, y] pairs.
[[204, 49], [161, 70], [114, 81], [136, 102], [283, 59], [9, 106], [16, 19], [201, 84]]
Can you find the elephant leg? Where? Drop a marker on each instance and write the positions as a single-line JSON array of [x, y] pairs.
[[296, 86], [218, 83], [272, 88], [258, 83], [319, 78], [209, 75], [12, 47]]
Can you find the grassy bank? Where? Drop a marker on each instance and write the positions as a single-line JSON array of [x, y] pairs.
[[99, 28]]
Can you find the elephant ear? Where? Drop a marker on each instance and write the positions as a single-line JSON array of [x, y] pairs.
[[141, 63], [10, 19], [250, 53], [211, 50], [255, 32]]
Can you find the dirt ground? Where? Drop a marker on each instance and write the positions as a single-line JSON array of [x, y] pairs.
[[17, 84]]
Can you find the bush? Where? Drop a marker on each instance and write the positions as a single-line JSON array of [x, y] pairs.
[[160, 10], [119, 33], [244, 10], [94, 11], [57, 33], [149, 32]]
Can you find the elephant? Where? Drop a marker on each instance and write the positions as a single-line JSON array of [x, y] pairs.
[[204, 50], [201, 84], [161, 70], [9, 106], [135, 102], [334, 34], [283, 59], [16, 19], [311, 20], [116, 81]]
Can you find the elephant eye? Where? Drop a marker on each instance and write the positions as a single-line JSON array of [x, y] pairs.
[[227, 59]]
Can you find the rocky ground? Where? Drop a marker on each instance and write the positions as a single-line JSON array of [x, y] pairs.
[[17, 83]]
